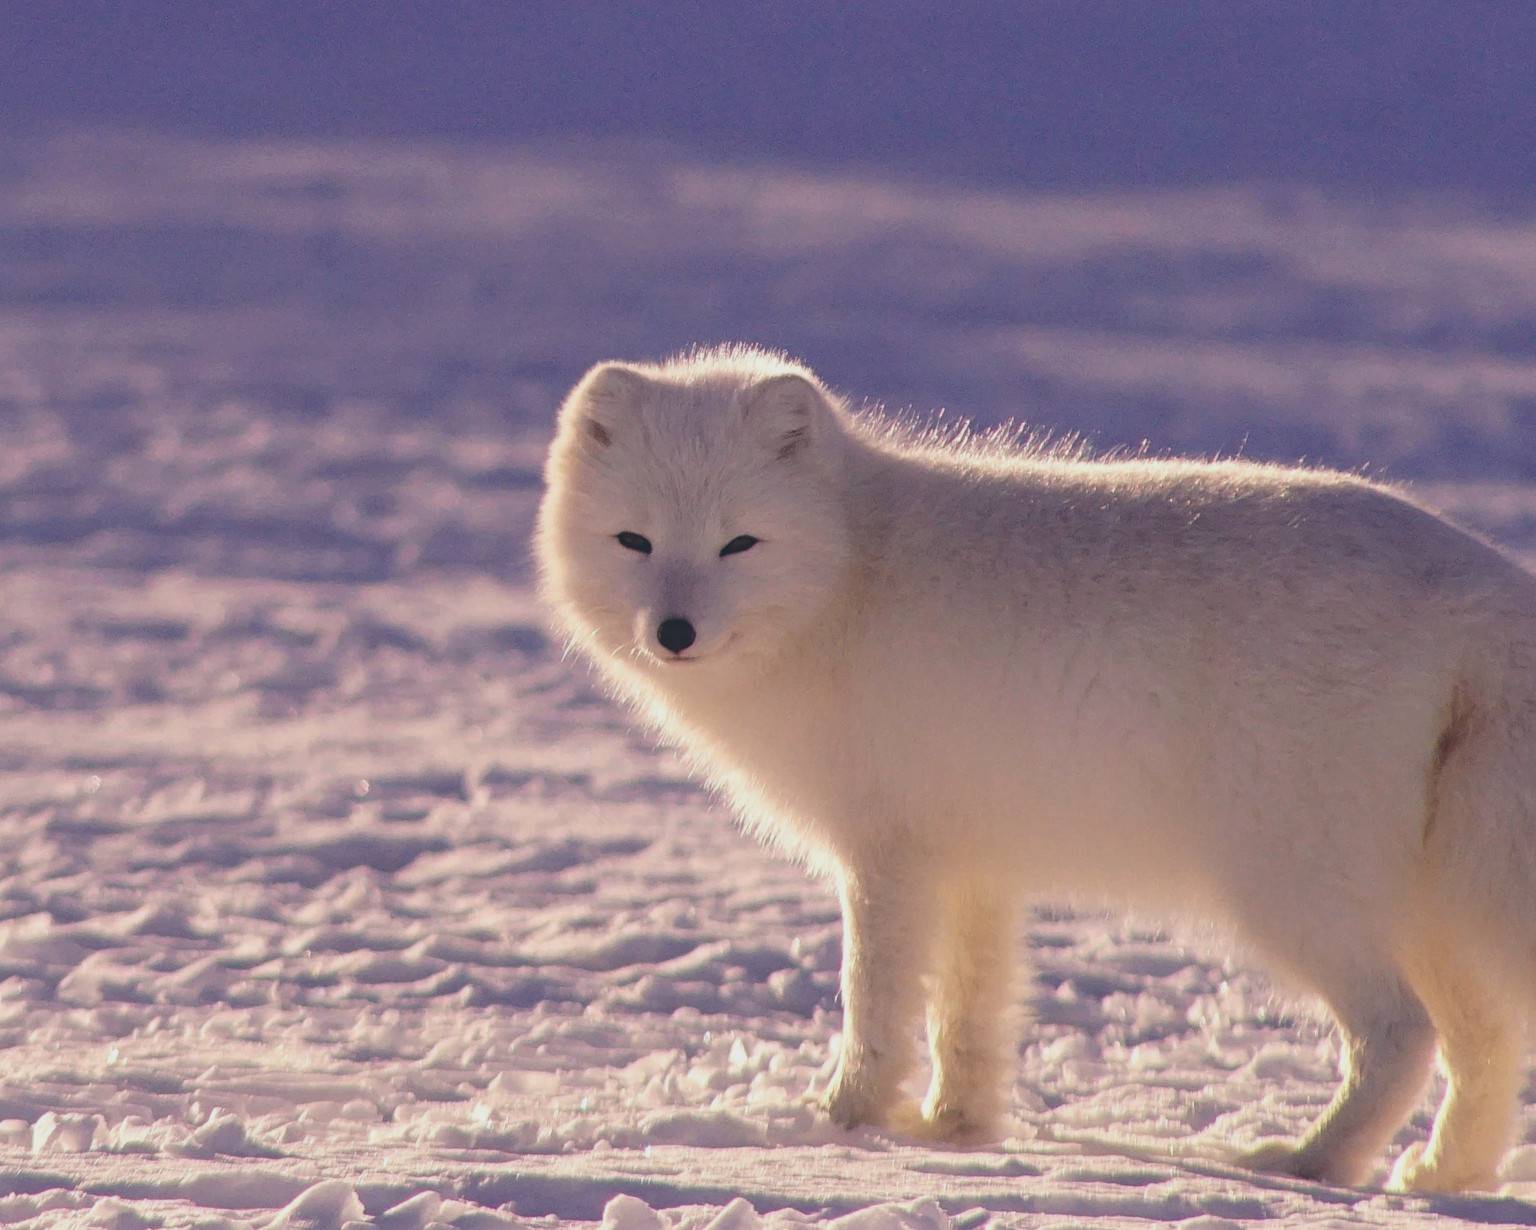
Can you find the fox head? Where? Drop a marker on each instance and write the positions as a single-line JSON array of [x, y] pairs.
[[692, 517]]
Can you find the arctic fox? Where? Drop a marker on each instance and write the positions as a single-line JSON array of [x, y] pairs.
[[960, 677]]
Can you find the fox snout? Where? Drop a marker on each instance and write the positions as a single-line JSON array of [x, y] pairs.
[[675, 634]]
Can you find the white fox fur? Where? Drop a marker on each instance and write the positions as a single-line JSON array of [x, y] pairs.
[[958, 678]]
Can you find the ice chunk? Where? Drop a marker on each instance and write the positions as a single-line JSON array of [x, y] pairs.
[[113, 1214], [918, 1215], [738, 1215], [325, 1206], [63, 1133], [412, 1214], [625, 1212], [225, 1133]]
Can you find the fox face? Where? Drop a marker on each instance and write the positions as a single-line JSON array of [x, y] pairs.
[[693, 524]]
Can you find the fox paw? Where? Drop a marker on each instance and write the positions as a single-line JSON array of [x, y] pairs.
[[1284, 1158], [1418, 1171], [906, 1119], [851, 1103], [955, 1124]]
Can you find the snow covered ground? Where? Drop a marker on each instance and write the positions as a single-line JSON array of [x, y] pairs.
[[335, 895]]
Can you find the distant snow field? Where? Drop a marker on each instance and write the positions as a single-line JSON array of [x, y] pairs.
[[336, 897]]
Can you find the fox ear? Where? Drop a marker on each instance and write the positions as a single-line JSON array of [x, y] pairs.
[[790, 411], [600, 398]]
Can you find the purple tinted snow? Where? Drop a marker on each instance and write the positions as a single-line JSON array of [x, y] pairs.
[[327, 871]]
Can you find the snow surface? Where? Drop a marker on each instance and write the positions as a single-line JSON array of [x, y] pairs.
[[335, 895]]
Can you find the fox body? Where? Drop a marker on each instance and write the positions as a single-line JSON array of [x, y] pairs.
[[959, 677]]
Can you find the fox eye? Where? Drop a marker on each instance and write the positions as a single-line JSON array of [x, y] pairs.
[[742, 542], [635, 542]]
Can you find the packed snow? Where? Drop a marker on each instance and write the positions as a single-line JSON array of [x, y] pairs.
[[337, 897]]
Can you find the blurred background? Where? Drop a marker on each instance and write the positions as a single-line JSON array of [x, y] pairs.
[[1076, 94], [295, 288]]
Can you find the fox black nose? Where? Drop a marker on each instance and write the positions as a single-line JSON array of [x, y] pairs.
[[676, 634]]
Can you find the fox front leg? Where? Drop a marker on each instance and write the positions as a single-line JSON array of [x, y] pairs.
[[887, 935], [970, 1018]]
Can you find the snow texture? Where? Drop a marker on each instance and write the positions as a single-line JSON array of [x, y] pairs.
[[336, 897]]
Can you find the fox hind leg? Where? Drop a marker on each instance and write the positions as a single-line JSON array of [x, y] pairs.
[[1482, 1043], [1388, 1048], [1469, 965]]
